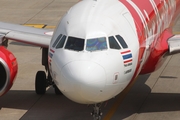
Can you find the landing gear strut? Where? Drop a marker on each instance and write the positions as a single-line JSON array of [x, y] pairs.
[[97, 112], [42, 81]]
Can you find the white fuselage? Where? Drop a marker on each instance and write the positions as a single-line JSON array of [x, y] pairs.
[[90, 65]]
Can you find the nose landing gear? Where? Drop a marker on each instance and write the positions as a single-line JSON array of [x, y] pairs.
[[42, 80], [97, 112]]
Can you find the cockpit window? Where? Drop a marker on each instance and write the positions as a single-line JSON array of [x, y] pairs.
[[96, 44], [76, 44], [56, 41], [113, 43], [61, 42], [122, 42]]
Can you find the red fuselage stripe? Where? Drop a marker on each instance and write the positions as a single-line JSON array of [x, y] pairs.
[[125, 52], [127, 61], [154, 13]]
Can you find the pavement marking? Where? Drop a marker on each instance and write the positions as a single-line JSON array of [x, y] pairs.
[[50, 27], [119, 100], [36, 25], [176, 33], [40, 26]]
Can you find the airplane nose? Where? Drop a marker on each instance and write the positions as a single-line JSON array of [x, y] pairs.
[[83, 81]]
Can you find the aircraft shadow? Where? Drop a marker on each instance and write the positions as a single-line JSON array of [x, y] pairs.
[[58, 107], [141, 100], [44, 107]]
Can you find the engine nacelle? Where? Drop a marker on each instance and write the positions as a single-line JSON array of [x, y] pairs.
[[8, 70]]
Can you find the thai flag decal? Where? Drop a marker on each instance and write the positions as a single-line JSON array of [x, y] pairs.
[[127, 57], [50, 55]]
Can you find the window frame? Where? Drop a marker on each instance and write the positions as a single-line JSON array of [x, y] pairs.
[[107, 45], [116, 42], [121, 42], [60, 41], [57, 40], [74, 49]]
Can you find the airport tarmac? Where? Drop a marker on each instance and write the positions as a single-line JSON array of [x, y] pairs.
[[152, 97]]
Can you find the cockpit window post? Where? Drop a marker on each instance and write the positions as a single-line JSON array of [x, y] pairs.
[[61, 42], [56, 41], [121, 41], [113, 44]]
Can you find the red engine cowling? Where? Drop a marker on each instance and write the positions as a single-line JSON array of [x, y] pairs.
[[8, 70]]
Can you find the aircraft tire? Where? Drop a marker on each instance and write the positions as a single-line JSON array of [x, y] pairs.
[[40, 83]]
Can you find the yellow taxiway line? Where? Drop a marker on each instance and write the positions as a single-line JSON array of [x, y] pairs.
[[40, 26], [118, 102], [176, 33], [50, 27], [35, 25]]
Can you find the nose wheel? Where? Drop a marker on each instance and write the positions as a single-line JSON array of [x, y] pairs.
[[40, 83], [97, 112]]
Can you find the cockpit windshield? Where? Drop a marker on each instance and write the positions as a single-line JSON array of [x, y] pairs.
[[93, 44], [96, 44], [76, 44]]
